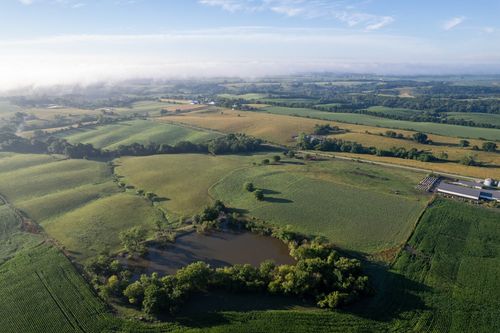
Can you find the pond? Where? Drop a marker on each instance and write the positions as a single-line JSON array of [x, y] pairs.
[[218, 249]]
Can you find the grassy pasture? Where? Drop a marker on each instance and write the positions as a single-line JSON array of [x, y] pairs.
[[342, 200], [88, 230], [250, 97], [478, 118], [182, 180], [140, 131], [353, 205], [75, 201], [383, 110], [439, 129], [12, 238]]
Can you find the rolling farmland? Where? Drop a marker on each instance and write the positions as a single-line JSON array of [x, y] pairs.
[[140, 131], [75, 201], [360, 119], [358, 212], [293, 197]]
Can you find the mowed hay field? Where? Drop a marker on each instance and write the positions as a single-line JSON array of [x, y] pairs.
[[282, 129], [353, 204], [75, 201], [455, 153], [136, 131], [358, 207], [455, 256], [182, 181], [274, 128], [42, 292], [361, 119]]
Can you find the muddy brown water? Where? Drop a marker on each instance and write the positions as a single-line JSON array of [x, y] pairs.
[[218, 249]]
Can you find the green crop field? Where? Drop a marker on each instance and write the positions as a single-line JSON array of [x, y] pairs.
[[361, 119], [455, 256], [41, 292], [478, 118], [250, 97], [354, 205], [140, 131], [75, 201]]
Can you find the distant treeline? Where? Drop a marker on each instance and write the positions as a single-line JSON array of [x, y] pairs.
[[231, 143]]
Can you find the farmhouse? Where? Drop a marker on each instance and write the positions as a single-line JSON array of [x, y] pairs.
[[468, 193]]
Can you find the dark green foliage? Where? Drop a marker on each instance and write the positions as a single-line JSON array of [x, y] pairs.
[[324, 129], [320, 274], [133, 240], [259, 195], [420, 138], [234, 143], [464, 143], [490, 146], [250, 187]]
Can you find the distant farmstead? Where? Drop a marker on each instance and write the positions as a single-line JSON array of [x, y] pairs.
[[471, 193]]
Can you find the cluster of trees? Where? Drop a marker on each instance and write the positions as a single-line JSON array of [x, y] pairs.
[[320, 274], [258, 193], [306, 142], [394, 135], [325, 129], [234, 143]]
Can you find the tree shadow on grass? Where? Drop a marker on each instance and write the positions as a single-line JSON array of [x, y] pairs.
[[277, 200], [269, 192]]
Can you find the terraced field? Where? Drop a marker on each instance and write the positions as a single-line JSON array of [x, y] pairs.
[[140, 131], [75, 201]]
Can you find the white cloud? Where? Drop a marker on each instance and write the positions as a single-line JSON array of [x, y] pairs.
[[232, 51], [489, 30], [453, 23], [26, 2], [339, 10]]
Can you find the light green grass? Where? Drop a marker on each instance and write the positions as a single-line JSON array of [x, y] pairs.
[[361, 119], [383, 110], [182, 180], [478, 118], [95, 227], [12, 238], [249, 97], [76, 202], [352, 204], [136, 131], [363, 214]]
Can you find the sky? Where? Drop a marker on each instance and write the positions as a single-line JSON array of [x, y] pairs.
[[46, 42]]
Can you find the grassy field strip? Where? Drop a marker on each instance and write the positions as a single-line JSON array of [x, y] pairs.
[[140, 131], [75, 201], [353, 219], [440, 129]]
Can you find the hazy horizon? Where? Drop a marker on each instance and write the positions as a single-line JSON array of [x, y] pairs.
[[51, 42]]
